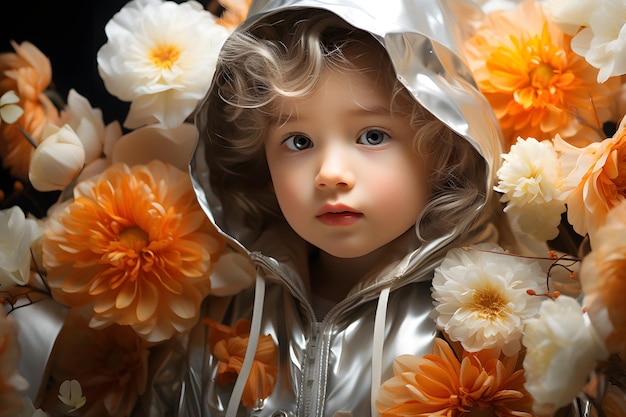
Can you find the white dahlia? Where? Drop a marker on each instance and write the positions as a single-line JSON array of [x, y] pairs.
[[481, 300]]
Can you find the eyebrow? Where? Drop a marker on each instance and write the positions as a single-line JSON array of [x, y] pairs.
[[364, 111]]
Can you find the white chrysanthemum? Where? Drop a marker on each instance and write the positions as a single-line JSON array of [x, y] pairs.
[[528, 179], [160, 56], [561, 351], [481, 300], [603, 43]]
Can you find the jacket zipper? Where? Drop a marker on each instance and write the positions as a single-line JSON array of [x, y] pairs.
[[313, 384]]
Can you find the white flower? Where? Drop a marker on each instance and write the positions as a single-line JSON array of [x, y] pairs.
[[9, 110], [160, 56], [97, 138], [570, 15], [71, 394], [57, 160], [16, 235], [232, 273], [562, 350], [172, 145], [89, 126], [528, 179], [481, 300], [489, 6], [603, 43]]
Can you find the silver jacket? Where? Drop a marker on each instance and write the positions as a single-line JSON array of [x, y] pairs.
[[333, 365]]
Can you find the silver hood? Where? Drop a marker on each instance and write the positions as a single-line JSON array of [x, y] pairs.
[[423, 39]]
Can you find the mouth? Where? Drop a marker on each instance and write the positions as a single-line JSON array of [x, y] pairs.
[[338, 215]]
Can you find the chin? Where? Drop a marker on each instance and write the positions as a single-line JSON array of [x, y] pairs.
[[347, 252]]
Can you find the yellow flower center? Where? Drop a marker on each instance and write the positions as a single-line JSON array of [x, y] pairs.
[[541, 75], [488, 303], [134, 238], [165, 56]]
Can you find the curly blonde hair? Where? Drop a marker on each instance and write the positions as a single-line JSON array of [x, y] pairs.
[[259, 68]]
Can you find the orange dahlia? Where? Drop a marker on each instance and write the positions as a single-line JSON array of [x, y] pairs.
[[439, 384], [28, 72], [603, 280], [536, 84], [229, 344], [134, 245], [595, 181]]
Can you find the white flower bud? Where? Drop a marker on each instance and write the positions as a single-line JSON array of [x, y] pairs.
[[57, 160]]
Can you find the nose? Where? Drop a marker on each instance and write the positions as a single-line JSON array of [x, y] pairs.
[[334, 170]]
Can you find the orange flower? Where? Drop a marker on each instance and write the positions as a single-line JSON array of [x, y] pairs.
[[28, 72], [229, 345], [110, 364], [438, 384], [10, 381], [235, 12], [535, 83], [603, 280], [596, 181], [135, 245]]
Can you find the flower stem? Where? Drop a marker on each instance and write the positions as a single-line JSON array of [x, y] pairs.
[[28, 137]]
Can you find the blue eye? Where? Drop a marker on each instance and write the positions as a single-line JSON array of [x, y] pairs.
[[373, 137], [298, 142]]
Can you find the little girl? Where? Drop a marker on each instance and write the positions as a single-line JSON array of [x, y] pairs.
[[343, 150]]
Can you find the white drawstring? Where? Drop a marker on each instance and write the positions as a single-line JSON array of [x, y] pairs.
[[377, 346], [253, 340]]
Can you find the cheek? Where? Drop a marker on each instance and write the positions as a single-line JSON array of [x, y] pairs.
[[402, 190], [290, 189]]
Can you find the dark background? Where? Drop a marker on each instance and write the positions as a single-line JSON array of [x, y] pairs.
[[69, 33]]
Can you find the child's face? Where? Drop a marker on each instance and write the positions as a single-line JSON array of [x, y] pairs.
[[343, 169]]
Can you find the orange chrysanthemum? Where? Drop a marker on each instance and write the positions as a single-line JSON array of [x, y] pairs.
[[110, 364], [229, 345], [135, 245], [440, 384], [28, 72], [536, 84]]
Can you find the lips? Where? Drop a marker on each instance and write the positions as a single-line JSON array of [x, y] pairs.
[[338, 215]]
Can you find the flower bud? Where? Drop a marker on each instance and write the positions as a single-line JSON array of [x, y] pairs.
[[16, 235], [57, 160]]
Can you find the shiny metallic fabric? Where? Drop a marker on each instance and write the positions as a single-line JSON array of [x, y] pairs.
[[325, 363]]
